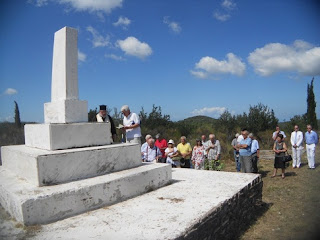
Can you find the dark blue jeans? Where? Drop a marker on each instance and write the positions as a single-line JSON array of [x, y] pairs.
[[237, 160]]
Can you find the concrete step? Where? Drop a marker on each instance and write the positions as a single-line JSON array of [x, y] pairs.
[[43, 167], [39, 205]]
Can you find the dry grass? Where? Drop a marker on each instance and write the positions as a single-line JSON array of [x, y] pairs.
[[292, 205]]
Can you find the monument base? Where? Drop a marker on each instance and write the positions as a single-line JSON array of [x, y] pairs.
[[64, 136], [197, 205], [42, 167], [39, 205]]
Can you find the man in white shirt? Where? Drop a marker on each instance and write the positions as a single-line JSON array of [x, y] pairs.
[[131, 124], [278, 131], [296, 142], [151, 153]]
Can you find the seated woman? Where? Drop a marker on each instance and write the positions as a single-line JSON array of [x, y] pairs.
[[279, 147]]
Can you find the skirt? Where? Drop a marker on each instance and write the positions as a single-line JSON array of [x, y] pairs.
[[279, 163]]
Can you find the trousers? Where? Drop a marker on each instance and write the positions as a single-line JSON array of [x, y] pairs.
[[311, 149], [296, 156], [246, 164]]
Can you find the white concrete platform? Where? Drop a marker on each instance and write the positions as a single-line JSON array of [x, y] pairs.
[[64, 136], [42, 167], [38, 205], [171, 212]]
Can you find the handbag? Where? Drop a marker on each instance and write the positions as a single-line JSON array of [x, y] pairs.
[[287, 158]]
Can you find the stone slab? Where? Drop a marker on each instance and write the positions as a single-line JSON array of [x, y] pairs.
[[177, 211], [38, 205], [66, 111], [43, 167], [64, 136]]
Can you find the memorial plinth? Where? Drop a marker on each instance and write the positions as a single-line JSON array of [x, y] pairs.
[[67, 165]]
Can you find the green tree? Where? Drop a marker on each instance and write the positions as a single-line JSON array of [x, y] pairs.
[[92, 115], [311, 110], [227, 124], [17, 115], [261, 118]]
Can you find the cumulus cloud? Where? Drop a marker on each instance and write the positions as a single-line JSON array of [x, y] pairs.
[[115, 57], [132, 46], [228, 4], [208, 66], [10, 91], [209, 111], [97, 39], [123, 22], [84, 5], [81, 56], [301, 57], [174, 26]]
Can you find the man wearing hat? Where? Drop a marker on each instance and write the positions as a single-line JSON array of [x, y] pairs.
[[102, 116], [162, 144]]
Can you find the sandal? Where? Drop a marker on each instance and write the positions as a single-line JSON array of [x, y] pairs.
[[273, 176]]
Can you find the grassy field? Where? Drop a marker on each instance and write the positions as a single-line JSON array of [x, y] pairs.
[[291, 206]]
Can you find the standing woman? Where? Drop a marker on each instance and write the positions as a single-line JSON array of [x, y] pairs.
[[279, 147], [198, 155]]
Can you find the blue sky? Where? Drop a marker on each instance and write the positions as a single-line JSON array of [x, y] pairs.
[[191, 57]]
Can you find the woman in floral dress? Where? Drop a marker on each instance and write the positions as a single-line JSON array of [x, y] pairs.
[[198, 155]]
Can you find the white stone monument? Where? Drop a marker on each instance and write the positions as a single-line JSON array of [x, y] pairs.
[[67, 149]]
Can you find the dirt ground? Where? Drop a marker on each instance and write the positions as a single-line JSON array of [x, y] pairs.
[[291, 206]]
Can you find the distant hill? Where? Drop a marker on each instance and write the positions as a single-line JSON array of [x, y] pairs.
[[198, 120]]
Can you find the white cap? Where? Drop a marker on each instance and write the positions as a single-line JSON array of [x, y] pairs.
[[171, 141]]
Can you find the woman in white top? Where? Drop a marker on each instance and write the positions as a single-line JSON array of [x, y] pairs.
[[170, 152]]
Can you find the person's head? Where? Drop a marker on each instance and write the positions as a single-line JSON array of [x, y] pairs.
[[212, 137], [277, 128], [183, 140], [103, 110], [148, 136], [309, 128], [125, 110], [237, 135], [198, 142], [151, 142], [203, 138], [244, 133], [158, 136], [296, 128], [250, 135], [171, 143], [279, 137]]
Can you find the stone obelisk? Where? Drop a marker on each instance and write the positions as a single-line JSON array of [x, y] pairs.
[[65, 106]]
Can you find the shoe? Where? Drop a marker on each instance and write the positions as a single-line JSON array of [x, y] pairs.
[[293, 167], [282, 177], [273, 176]]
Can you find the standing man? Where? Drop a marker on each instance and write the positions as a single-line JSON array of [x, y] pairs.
[[185, 151], [245, 152], [131, 124], [162, 144], [213, 150], [296, 142], [103, 116], [255, 153], [312, 139], [278, 131], [234, 144]]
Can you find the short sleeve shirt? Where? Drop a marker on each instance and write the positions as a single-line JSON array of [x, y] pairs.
[[132, 119], [186, 148], [246, 151]]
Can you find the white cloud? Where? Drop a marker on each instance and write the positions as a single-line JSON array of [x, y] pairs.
[[124, 22], [98, 40], [93, 6], [208, 66], [81, 56], [174, 26], [10, 91], [228, 4], [209, 111], [132, 46], [300, 57], [221, 17], [115, 57]]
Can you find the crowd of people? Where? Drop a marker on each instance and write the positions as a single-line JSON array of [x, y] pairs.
[[245, 145]]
